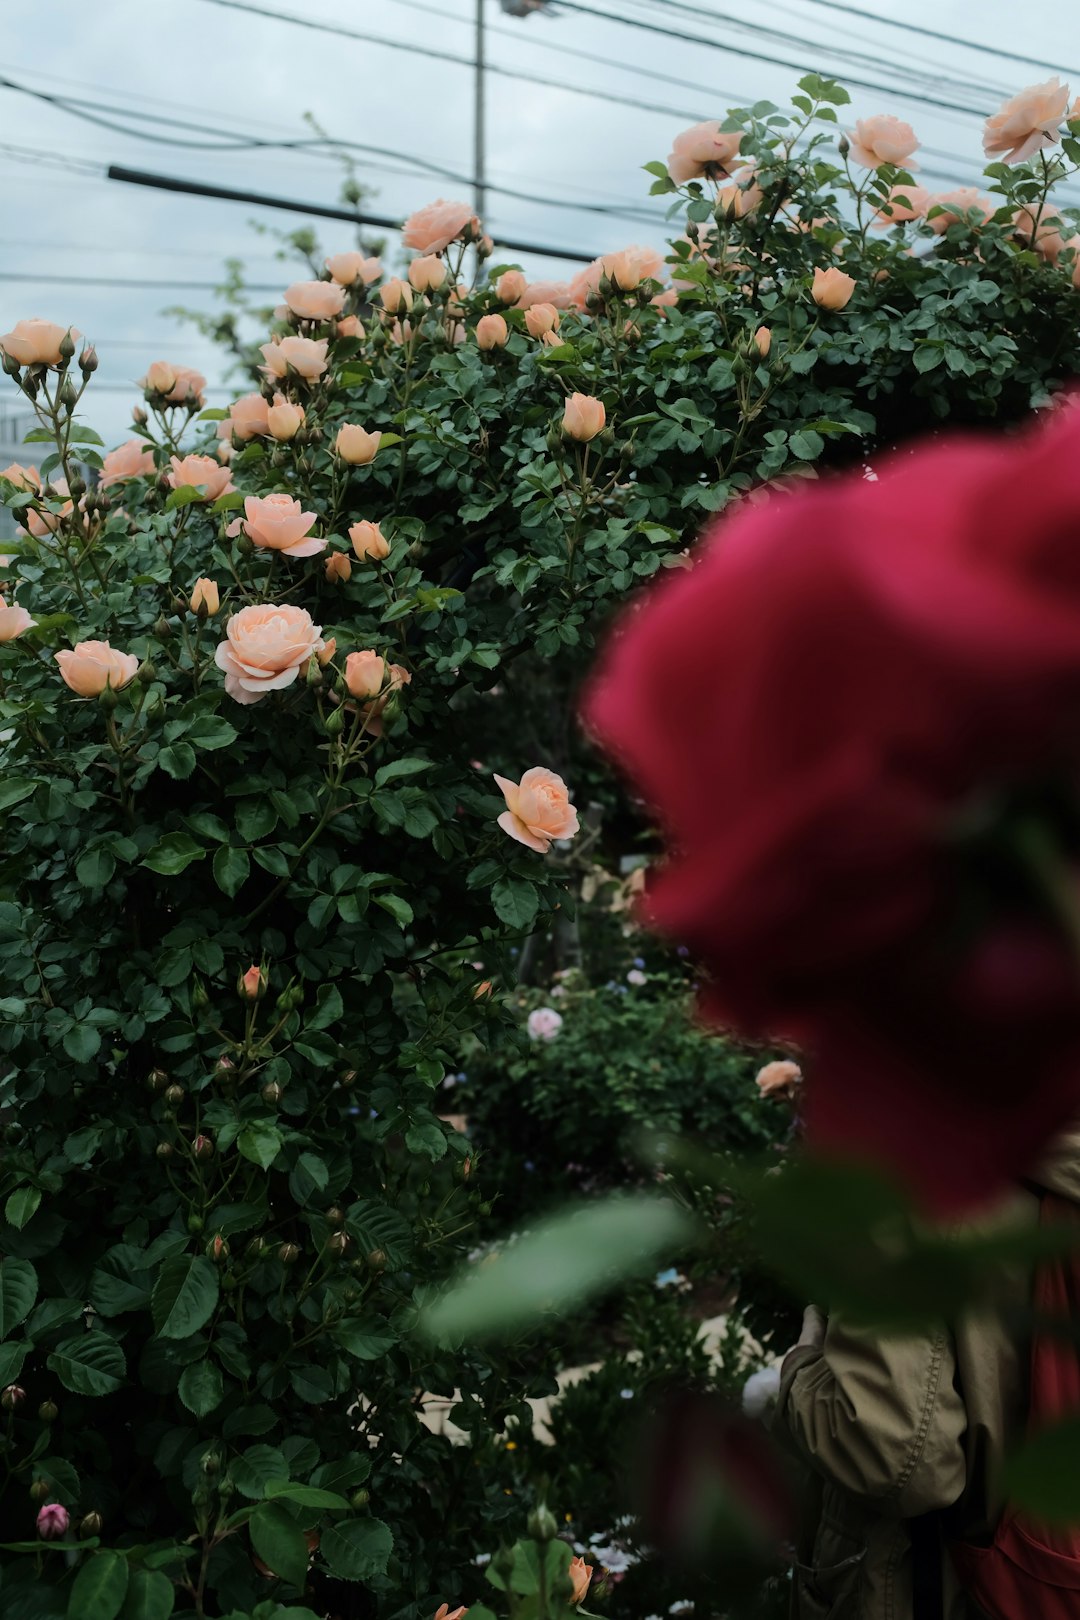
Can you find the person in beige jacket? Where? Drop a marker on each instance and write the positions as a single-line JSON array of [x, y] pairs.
[[896, 1428]]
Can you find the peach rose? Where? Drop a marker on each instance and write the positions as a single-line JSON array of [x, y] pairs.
[[1047, 238], [583, 417], [491, 332], [903, 203], [246, 418], [546, 292], [364, 673], [634, 265], [882, 139], [348, 268], [160, 378], [433, 228], [177, 385], [132, 459], [315, 300], [14, 621], [205, 598], [1026, 123], [355, 445], [36, 342], [779, 1079], [666, 299], [739, 200], [40, 524], [338, 568], [961, 200], [704, 149], [832, 289], [369, 542], [305, 356], [580, 1574], [763, 341], [398, 677], [427, 273], [277, 523], [395, 295], [284, 419], [329, 648], [252, 984], [444, 1612], [265, 649], [538, 809], [90, 666], [25, 479], [510, 286], [200, 472], [352, 326], [541, 319]]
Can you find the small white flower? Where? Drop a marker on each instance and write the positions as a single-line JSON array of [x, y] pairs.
[[544, 1023], [626, 1394], [760, 1391], [636, 977], [684, 1606]]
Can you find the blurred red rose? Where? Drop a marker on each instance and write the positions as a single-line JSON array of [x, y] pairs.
[[852, 718]]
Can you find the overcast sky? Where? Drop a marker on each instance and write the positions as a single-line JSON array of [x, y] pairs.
[[222, 69]]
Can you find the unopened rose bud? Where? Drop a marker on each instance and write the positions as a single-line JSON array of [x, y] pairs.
[[360, 1499], [199, 998], [9, 363], [202, 1147], [338, 568], [90, 1525], [348, 1079], [466, 1169], [164, 1150], [67, 345], [195, 1224], [48, 1411], [313, 677], [77, 488], [139, 415], [11, 1396], [288, 1254], [541, 1524], [492, 332], [396, 296], [334, 722], [338, 1243], [224, 1065], [163, 629], [157, 1080], [174, 1095], [217, 1249], [428, 273], [251, 986], [355, 445], [762, 341], [146, 674], [205, 598], [88, 360], [335, 1215], [271, 1093], [510, 286], [583, 417], [39, 1490], [483, 990], [843, 146], [376, 1259], [69, 394], [368, 541], [256, 1247]]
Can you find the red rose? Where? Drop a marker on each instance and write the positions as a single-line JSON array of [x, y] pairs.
[[842, 716]]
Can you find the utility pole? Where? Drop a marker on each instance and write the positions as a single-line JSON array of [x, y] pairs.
[[479, 142]]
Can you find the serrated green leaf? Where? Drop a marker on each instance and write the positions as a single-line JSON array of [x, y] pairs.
[[18, 1291], [201, 1387], [99, 1587], [89, 1364], [260, 1142], [22, 1206], [280, 1543], [178, 761], [150, 1596], [358, 1549], [184, 1297], [231, 868]]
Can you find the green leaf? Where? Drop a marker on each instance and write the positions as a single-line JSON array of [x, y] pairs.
[[173, 854], [231, 868], [178, 761], [260, 1142], [15, 790], [259, 1467], [280, 1543], [516, 902], [61, 1477], [1043, 1480], [398, 907], [305, 1495], [201, 1387], [560, 1262], [95, 867], [400, 767], [18, 1291], [150, 1596], [89, 1364], [210, 731], [184, 496], [82, 1042], [99, 1588], [358, 1549], [231, 501], [365, 1337], [22, 1206], [12, 1356], [80, 434], [329, 1008], [184, 1296]]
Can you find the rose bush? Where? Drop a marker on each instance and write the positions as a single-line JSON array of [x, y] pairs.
[[259, 886]]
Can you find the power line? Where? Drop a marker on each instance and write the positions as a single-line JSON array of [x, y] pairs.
[[62, 279], [947, 39], [196, 188]]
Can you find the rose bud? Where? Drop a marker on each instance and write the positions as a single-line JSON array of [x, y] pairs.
[[355, 445], [338, 568], [202, 1147], [832, 289], [90, 1524], [251, 986], [217, 1249], [288, 1254], [510, 286], [428, 273], [48, 1412], [350, 327], [491, 332], [584, 417], [338, 1243], [540, 319], [164, 1150], [12, 1396], [364, 673], [205, 598], [174, 1095], [762, 341], [369, 542], [271, 1093], [335, 1215], [396, 296], [39, 1490], [52, 1522], [284, 419]]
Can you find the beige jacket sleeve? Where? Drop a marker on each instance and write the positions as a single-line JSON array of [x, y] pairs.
[[878, 1416]]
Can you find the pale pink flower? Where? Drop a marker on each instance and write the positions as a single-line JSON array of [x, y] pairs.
[[305, 356], [200, 472], [427, 273], [510, 286], [583, 417], [265, 649], [432, 229], [779, 1079], [546, 292], [52, 1521], [132, 459], [14, 622], [544, 1023], [246, 418], [491, 332], [315, 300], [284, 419], [540, 319], [90, 666], [348, 268], [703, 149], [538, 809], [1027, 122], [278, 523], [961, 200], [883, 139], [1047, 239], [35, 342]]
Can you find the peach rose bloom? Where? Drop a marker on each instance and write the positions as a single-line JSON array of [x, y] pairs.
[[546, 292], [132, 459], [355, 445], [278, 523], [178, 385], [349, 268], [1027, 122], [491, 332], [14, 621], [541, 319], [903, 203], [265, 649], [284, 419], [90, 666], [306, 356], [315, 300], [338, 568], [738, 200], [961, 200], [364, 673], [246, 418], [510, 286], [1047, 239], [763, 341], [583, 417], [433, 228], [395, 295], [329, 648], [40, 524], [351, 326], [36, 342], [779, 1079], [832, 289], [702, 149], [200, 472], [882, 139], [205, 596], [538, 809], [398, 677], [427, 273], [666, 299], [369, 542], [444, 1612], [160, 378], [580, 1574], [634, 264], [25, 479]]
